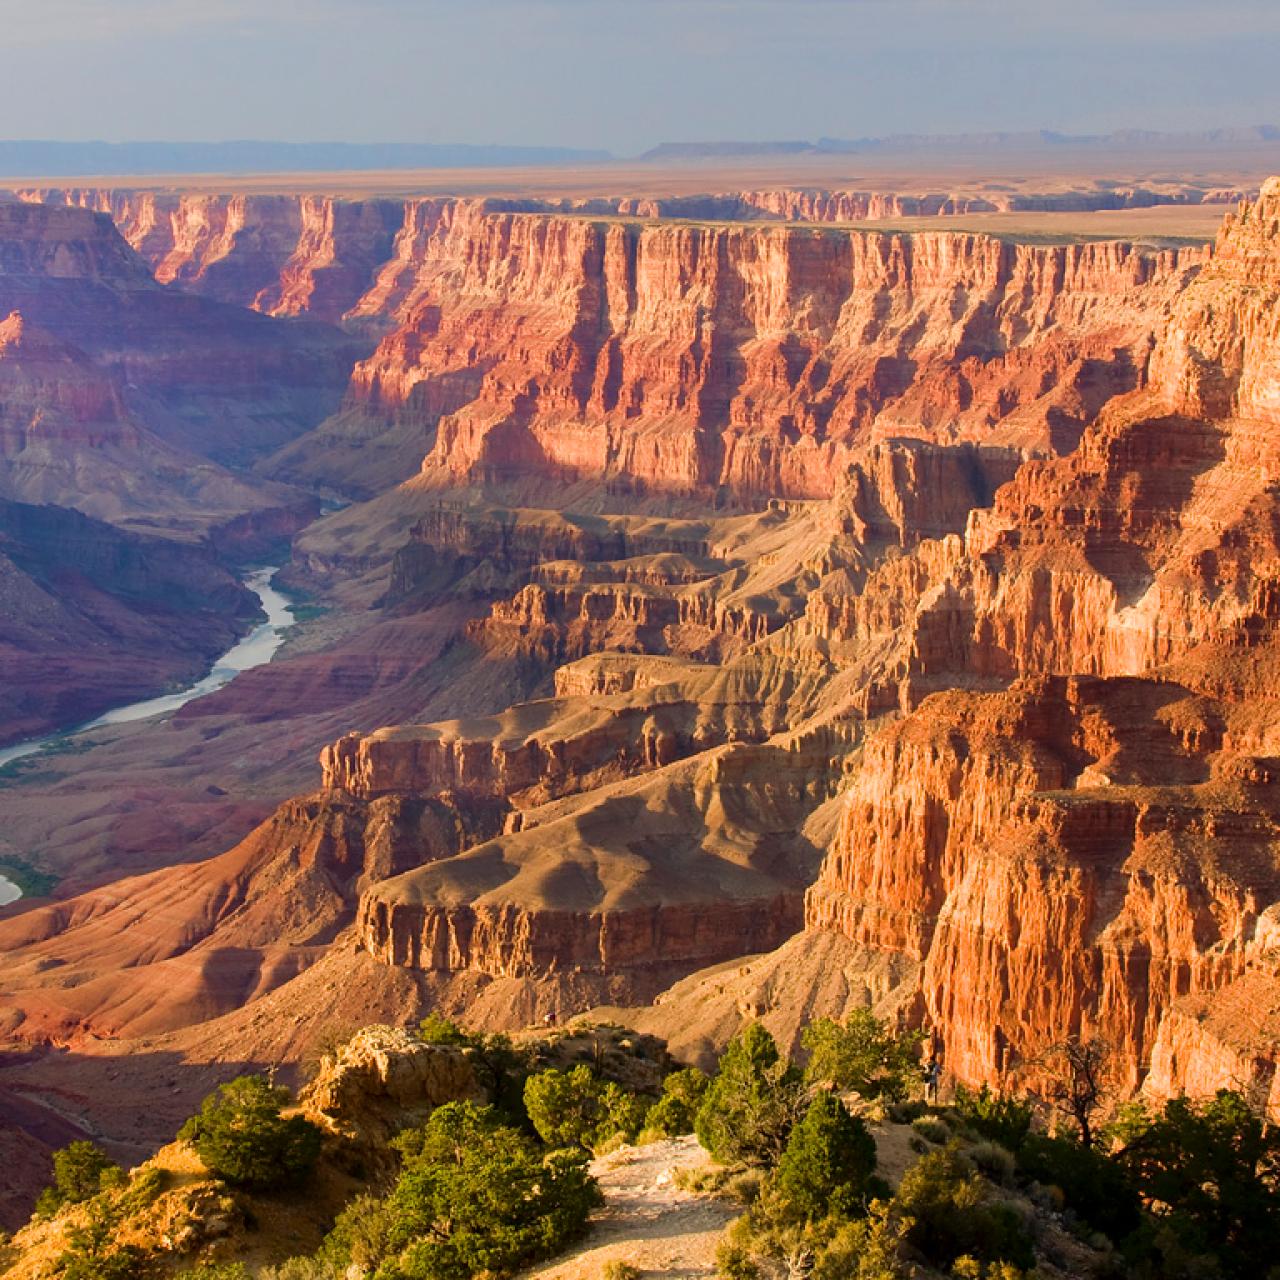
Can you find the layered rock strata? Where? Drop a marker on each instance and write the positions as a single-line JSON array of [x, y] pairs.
[[681, 357], [316, 254], [1096, 854], [68, 437], [207, 377], [1016, 715], [691, 358]]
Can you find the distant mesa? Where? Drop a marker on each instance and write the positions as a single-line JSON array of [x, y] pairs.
[[24, 158], [1262, 136]]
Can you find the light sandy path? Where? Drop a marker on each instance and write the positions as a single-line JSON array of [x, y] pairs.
[[646, 1219]]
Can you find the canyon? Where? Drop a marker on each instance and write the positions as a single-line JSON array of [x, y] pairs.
[[724, 612]]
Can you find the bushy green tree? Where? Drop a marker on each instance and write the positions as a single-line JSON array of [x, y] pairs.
[[952, 1216], [577, 1109], [622, 1113], [503, 1068], [967, 1268], [80, 1171], [772, 1233], [752, 1103], [863, 1054], [998, 1116], [565, 1107], [359, 1237], [435, 1028], [241, 1135], [476, 1195], [829, 1158], [772, 1238], [682, 1094], [1210, 1171]]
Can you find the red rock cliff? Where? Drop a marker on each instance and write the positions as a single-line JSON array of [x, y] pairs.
[[688, 357], [674, 357]]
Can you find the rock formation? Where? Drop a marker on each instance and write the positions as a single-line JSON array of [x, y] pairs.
[[973, 720], [527, 336], [1096, 853], [207, 377], [691, 358], [68, 437], [382, 1081]]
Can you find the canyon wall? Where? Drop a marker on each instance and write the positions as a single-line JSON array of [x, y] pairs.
[[69, 436], [522, 338], [1071, 858], [207, 377], [755, 359], [92, 616], [131, 404], [291, 254]]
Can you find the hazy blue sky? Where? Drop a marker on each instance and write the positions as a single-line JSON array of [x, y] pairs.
[[625, 74]]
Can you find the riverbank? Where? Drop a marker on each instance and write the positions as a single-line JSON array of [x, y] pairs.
[[253, 650]]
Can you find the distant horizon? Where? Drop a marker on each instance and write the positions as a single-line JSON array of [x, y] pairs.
[[56, 157]]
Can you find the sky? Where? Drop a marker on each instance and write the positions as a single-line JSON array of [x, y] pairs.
[[626, 74]]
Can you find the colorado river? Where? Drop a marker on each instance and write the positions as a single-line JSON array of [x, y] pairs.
[[258, 647]]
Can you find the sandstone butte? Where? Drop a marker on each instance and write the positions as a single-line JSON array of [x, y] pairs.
[[974, 721]]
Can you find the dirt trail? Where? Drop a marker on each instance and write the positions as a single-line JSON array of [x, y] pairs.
[[646, 1219]]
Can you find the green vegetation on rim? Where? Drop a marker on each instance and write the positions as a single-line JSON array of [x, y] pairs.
[[33, 882]]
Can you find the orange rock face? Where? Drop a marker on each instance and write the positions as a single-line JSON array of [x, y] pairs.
[[1098, 855], [663, 357], [1073, 857], [759, 359], [285, 255]]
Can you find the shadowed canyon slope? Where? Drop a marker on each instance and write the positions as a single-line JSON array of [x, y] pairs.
[[974, 720], [91, 616]]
